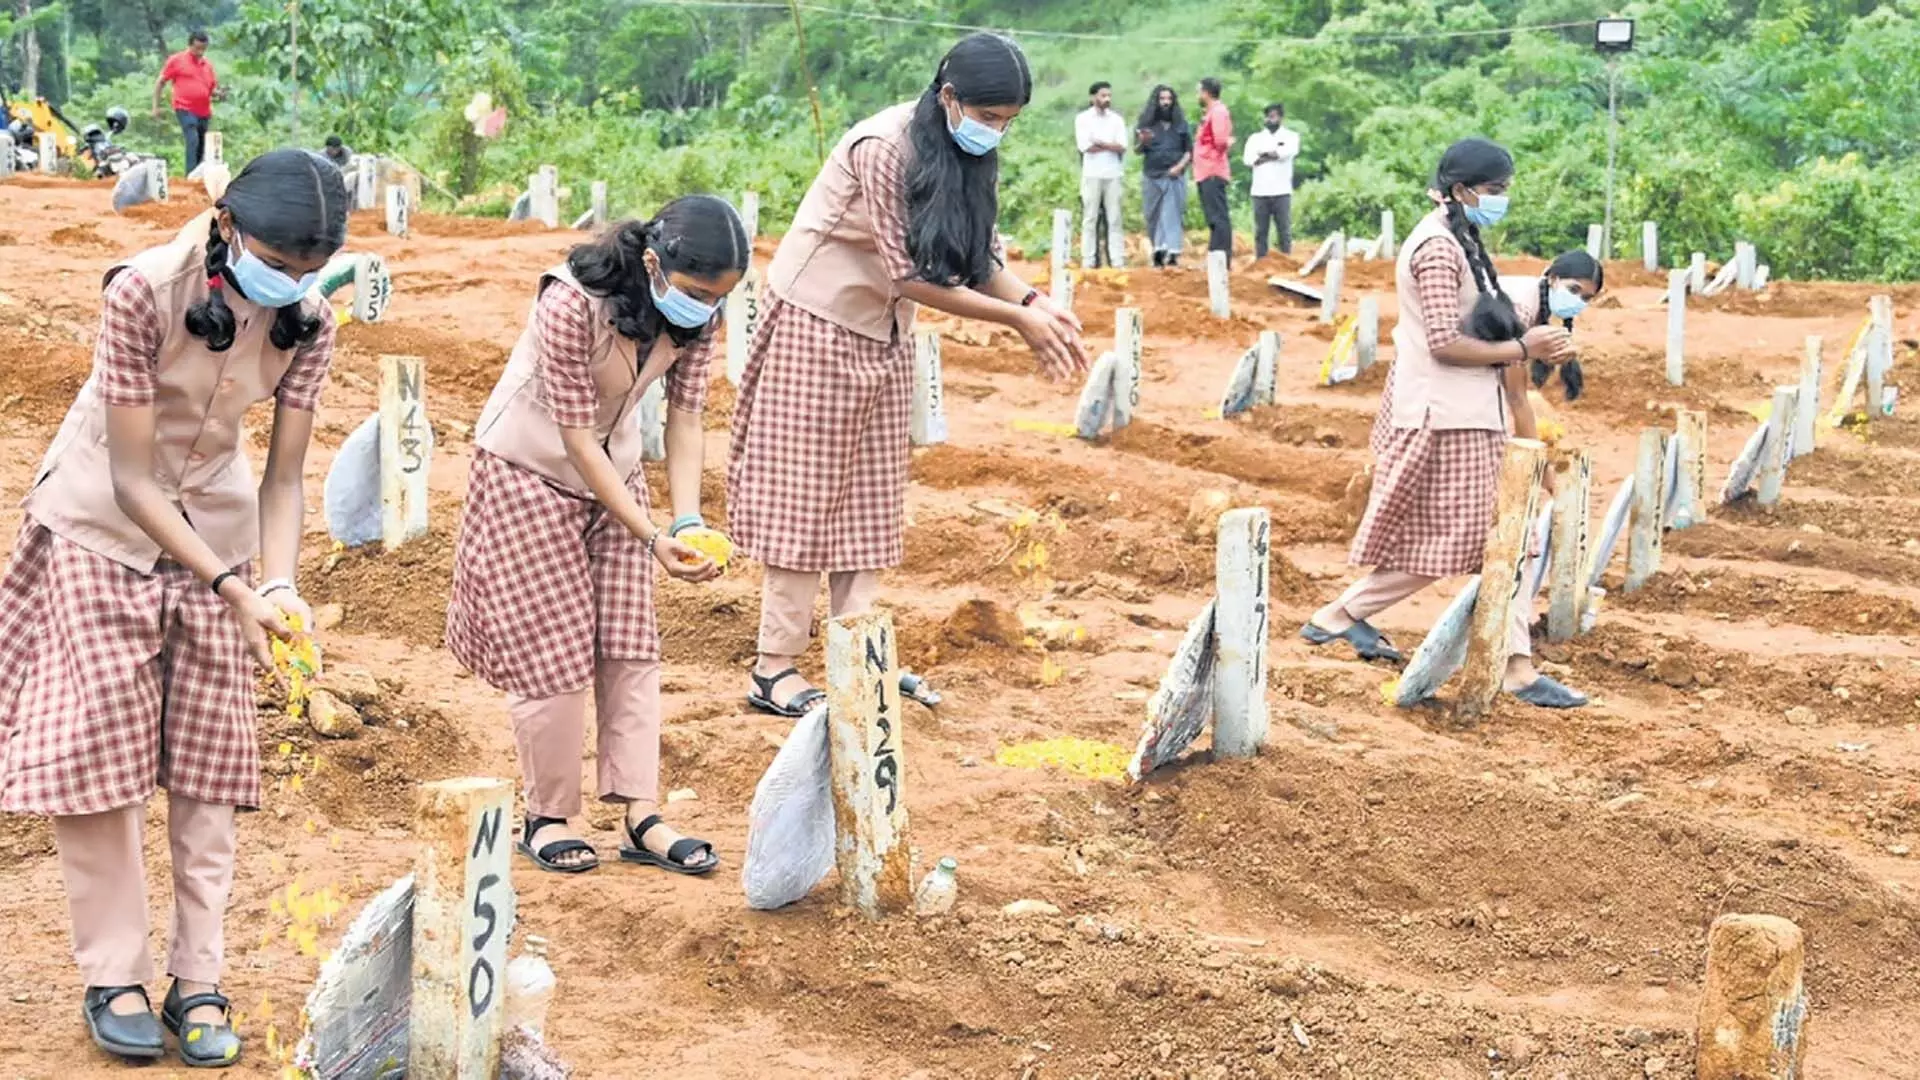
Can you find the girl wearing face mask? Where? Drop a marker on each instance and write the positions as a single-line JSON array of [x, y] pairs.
[[903, 213], [129, 622], [1455, 392], [1571, 282], [553, 569]]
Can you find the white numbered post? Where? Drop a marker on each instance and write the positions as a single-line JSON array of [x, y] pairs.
[[1879, 350], [1567, 566], [1389, 244], [1697, 272], [366, 183], [1649, 509], [1240, 633], [399, 214], [743, 315], [1266, 368], [49, 153], [1129, 332], [463, 912], [1596, 242], [1779, 447], [1746, 260], [1063, 292], [1807, 407], [928, 426], [1336, 271], [1650, 246], [1690, 428], [598, 205], [405, 449], [157, 185], [750, 214], [1506, 552], [1366, 342], [1219, 290], [545, 186], [372, 288], [216, 148], [868, 765], [1057, 257], [1677, 328]]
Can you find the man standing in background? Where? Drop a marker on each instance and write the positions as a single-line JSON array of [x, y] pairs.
[[1270, 153], [1102, 135], [1210, 148], [194, 88]]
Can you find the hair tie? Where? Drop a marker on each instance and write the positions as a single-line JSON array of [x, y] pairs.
[[214, 282]]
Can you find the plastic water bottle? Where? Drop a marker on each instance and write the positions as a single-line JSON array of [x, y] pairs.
[[937, 889], [1591, 617], [530, 985]]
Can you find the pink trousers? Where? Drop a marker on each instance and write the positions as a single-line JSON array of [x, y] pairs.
[[786, 605], [550, 732], [1381, 589], [101, 860]]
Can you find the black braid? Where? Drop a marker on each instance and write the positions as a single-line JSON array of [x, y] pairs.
[[1492, 317], [211, 318], [1540, 369]]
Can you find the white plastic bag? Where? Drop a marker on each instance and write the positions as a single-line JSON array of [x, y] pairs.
[[351, 497], [134, 188], [790, 825]]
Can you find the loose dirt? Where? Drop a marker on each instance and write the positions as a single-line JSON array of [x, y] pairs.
[[1382, 893]]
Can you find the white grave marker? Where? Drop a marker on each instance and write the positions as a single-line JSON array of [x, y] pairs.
[[1649, 509], [1779, 447], [743, 317], [1879, 350], [1567, 561], [1129, 345], [157, 185], [367, 183], [1746, 264], [1596, 242], [1689, 489], [8, 162], [372, 288], [868, 764], [1650, 246], [929, 422], [598, 205], [406, 449], [1807, 406], [1266, 373], [1240, 631], [1336, 271], [1219, 291], [1367, 335], [49, 153], [399, 214], [1057, 255], [216, 147], [1389, 244], [1677, 328], [750, 214], [463, 912], [1697, 273]]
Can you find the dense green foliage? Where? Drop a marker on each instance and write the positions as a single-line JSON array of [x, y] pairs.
[[1788, 122]]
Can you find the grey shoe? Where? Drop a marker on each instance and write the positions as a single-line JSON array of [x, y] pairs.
[[1371, 644], [135, 1035], [202, 1046], [1548, 694]]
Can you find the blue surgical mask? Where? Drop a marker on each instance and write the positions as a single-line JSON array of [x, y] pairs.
[[1564, 302], [975, 137], [1488, 214], [262, 283], [680, 309]]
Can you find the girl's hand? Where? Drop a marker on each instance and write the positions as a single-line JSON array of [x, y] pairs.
[[289, 604], [1549, 344], [1045, 303], [682, 561], [260, 622], [1054, 342]]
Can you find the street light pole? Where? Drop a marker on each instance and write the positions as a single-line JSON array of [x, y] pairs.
[[1613, 143]]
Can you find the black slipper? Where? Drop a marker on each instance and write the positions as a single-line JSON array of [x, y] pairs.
[[916, 688], [202, 1046], [677, 860], [546, 857], [136, 1036], [1369, 643], [794, 708]]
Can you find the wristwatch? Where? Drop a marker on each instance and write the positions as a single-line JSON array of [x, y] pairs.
[[1032, 295]]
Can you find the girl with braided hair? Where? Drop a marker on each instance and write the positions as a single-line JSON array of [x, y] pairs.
[[128, 614], [904, 212], [1453, 397], [553, 568], [1571, 282]]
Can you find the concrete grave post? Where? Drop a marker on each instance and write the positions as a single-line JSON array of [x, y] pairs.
[[1753, 1009], [1596, 241], [1367, 339], [405, 449], [743, 317], [1649, 509], [1879, 349], [366, 186], [1389, 243], [868, 764], [1336, 272], [1240, 630], [49, 153], [157, 185], [8, 162], [928, 425], [216, 147], [1690, 431], [1506, 551], [1779, 447], [463, 912], [1746, 260], [1567, 564], [372, 288], [399, 210], [1266, 368], [1650, 246], [1677, 328], [1057, 255], [1219, 289], [598, 206], [1129, 346], [750, 214], [1807, 407], [1697, 272]]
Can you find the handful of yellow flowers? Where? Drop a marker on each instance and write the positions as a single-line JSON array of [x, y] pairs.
[[298, 662], [712, 543]]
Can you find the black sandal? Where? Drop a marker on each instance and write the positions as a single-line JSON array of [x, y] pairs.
[[202, 1046], [796, 706], [546, 857], [678, 857], [135, 1036]]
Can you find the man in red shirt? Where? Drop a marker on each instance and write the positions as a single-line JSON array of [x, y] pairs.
[[194, 88], [1210, 148]]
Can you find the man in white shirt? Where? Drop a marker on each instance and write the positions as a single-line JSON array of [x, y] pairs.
[[1102, 135], [1270, 152]]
